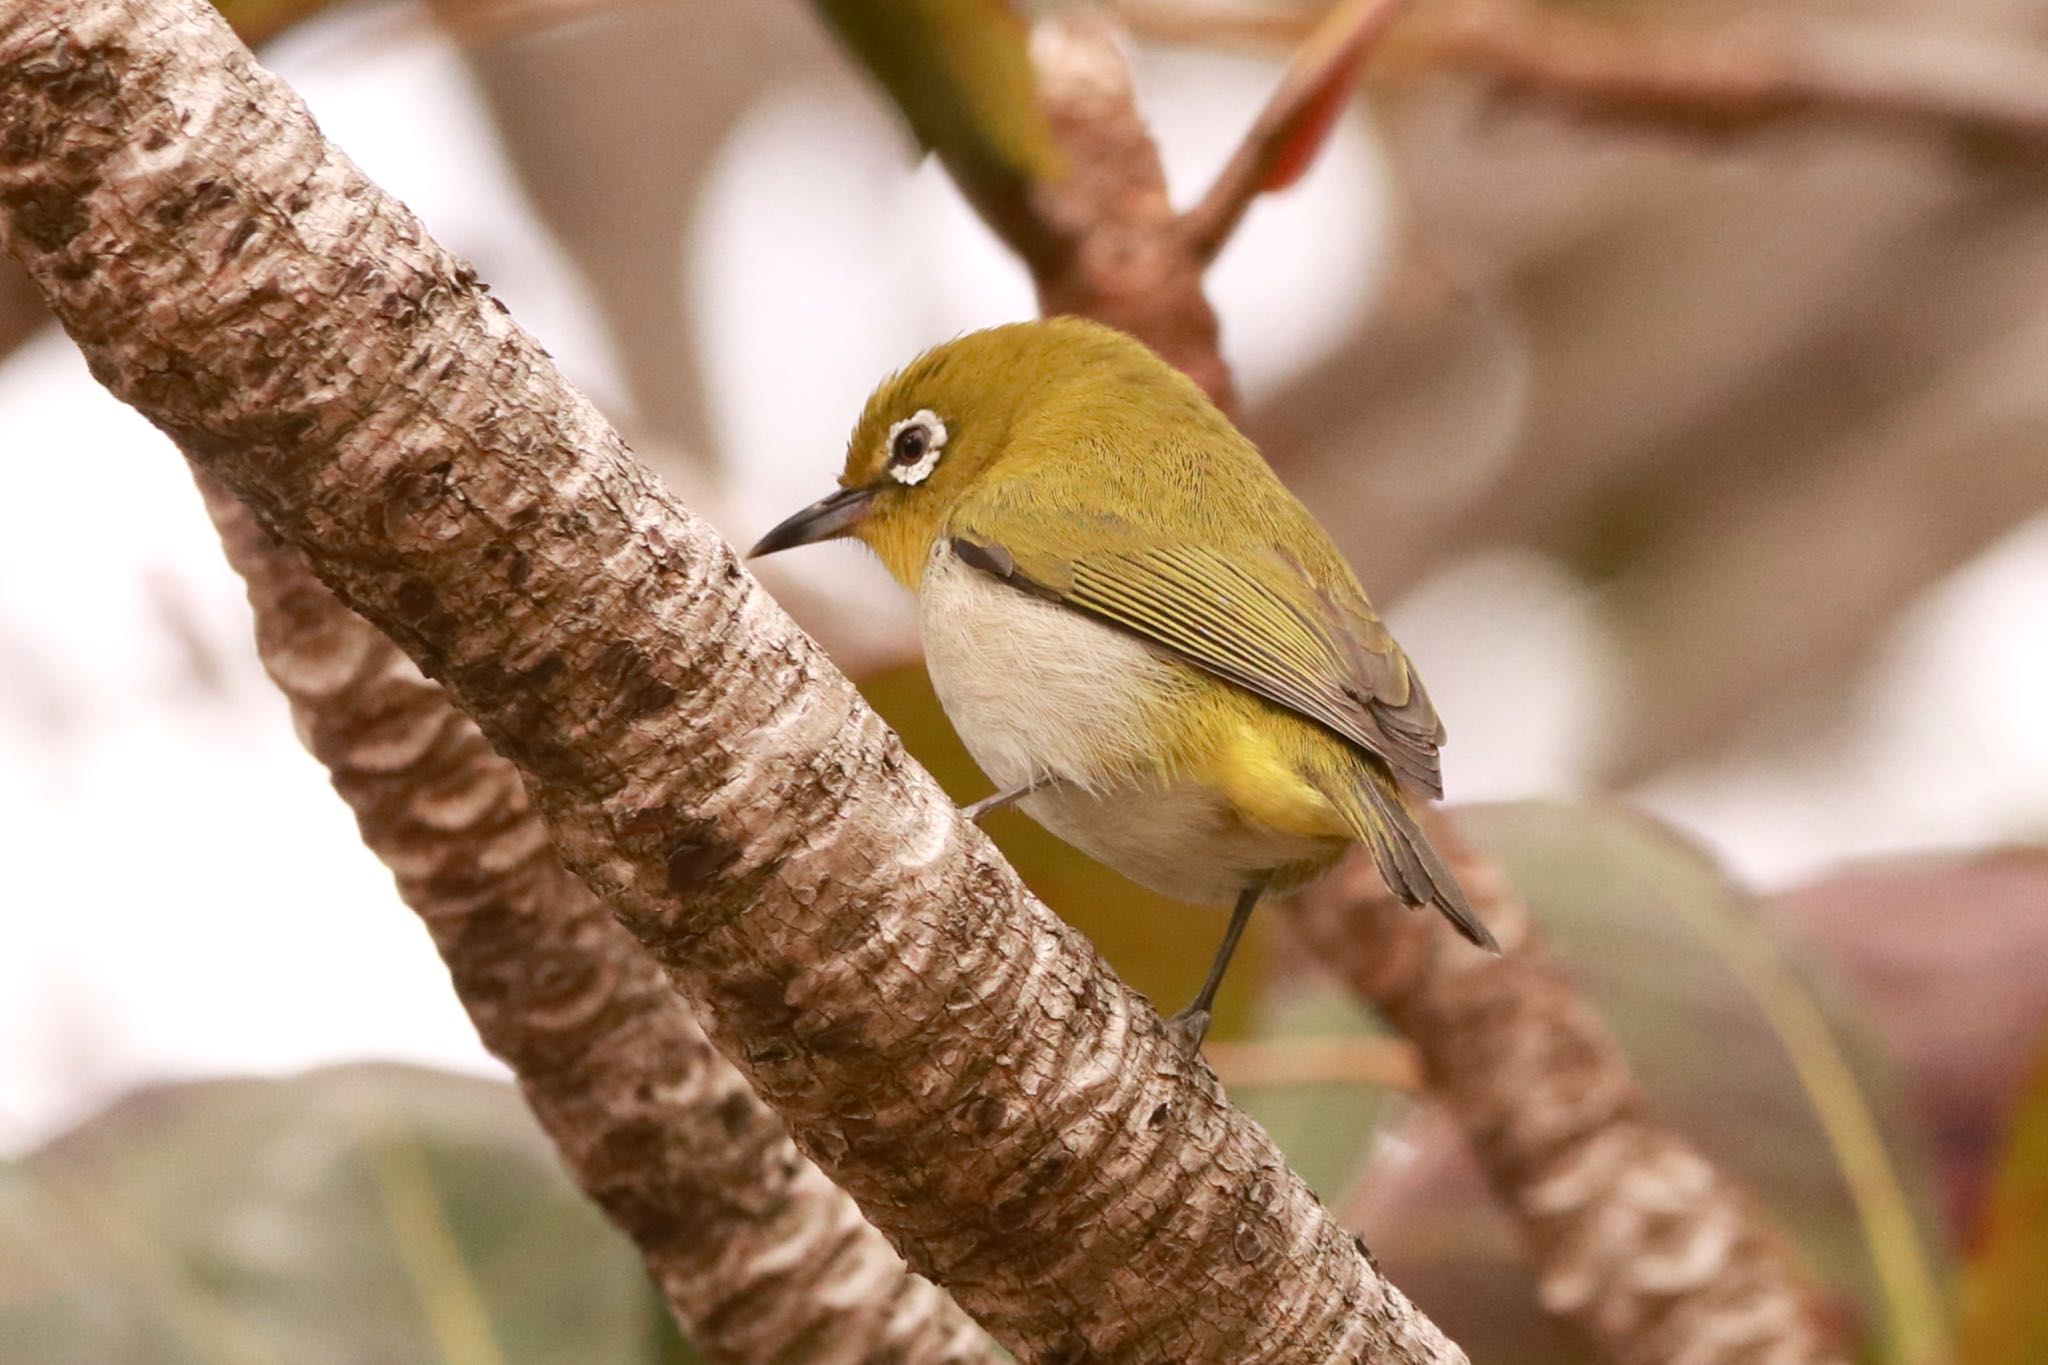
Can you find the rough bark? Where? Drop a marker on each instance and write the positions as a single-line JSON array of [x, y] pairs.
[[1010, 1115], [761, 1257], [1639, 1242]]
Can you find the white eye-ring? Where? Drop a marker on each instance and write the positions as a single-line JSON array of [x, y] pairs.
[[914, 446]]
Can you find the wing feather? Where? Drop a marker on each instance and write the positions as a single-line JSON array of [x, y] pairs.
[[1328, 661]]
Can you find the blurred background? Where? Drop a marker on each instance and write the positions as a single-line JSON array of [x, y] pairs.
[[1701, 463]]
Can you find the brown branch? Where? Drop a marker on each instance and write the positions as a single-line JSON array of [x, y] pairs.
[[1689, 78], [761, 1257], [1006, 1111], [1639, 1241], [1123, 262], [1290, 129], [21, 308], [1104, 241], [1684, 77]]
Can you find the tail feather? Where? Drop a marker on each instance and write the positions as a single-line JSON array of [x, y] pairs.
[[1408, 862]]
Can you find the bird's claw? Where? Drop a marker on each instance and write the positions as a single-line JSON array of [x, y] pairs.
[[1187, 1029]]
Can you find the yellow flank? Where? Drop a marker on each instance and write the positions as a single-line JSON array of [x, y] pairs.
[[1271, 766], [1261, 766]]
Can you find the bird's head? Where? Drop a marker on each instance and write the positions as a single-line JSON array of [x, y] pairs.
[[948, 419]]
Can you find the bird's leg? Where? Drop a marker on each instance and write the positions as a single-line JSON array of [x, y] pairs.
[[989, 805], [1191, 1025]]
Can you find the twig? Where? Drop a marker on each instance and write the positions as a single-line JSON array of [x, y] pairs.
[[1684, 77], [760, 1256], [1291, 128], [1014, 1119]]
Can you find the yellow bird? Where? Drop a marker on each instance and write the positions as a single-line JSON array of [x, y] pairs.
[[1145, 641]]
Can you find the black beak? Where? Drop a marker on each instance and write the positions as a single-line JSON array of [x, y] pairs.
[[822, 520]]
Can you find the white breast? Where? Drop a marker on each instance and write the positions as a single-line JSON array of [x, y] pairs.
[[1039, 691]]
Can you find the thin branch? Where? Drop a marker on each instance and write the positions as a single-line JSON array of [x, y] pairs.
[[1639, 1241], [1732, 78], [760, 1256], [1683, 76], [1291, 128], [1007, 1112]]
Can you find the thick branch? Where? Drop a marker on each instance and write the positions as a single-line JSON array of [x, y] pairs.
[[959, 1061], [762, 1258], [1638, 1240]]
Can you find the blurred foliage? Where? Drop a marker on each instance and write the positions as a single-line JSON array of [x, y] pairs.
[[959, 71], [357, 1214], [2006, 1292], [1949, 955], [258, 21], [1769, 1067]]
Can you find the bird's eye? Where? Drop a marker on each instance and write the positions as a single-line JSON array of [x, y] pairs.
[[909, 445], [914, 446]]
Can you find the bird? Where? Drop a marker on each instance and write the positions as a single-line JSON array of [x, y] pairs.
[[1144, 640]]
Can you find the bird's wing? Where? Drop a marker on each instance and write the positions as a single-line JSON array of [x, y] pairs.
[[1252, 618]]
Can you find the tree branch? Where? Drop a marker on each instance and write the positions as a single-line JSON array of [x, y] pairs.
[[1123, 263], [1291, 128], [1639, 1241], [1010, 1115], [1685, 77], [1732, 78], [761, 1257]]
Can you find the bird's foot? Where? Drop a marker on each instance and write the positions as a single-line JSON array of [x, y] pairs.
[[1188, 1028], [990, 805], [977, 811]]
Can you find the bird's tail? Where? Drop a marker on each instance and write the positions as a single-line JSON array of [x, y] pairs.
[[1378, 814]]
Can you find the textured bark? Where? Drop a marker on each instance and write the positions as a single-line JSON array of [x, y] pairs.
[[958, 1060], [1639, 1241], [761, 1257]]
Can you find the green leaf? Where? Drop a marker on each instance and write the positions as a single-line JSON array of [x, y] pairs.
[[2006, 1287], [1758, 1059], [355, 1214], [959, 71]]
